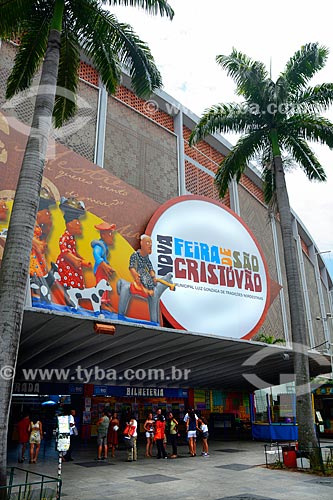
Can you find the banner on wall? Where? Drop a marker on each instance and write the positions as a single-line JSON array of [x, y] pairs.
[[220, 271], [198, 263]]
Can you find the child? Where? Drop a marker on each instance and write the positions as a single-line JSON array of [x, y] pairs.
[[204, 430]]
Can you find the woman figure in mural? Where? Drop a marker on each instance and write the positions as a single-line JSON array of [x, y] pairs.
[[3, 229], [102, 268], [69, 262], [38, 264], [142, 270], [3, 210]]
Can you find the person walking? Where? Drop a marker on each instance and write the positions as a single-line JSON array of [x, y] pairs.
[[149, 428], [159, 436], [173, 430], [203, 428], [113, 434], [72, 433], [35, 438], [132, 431], [23, 434], [191, 428], [102, 433]]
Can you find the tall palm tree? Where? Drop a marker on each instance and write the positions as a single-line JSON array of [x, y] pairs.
[[277, 118], [53, 32]]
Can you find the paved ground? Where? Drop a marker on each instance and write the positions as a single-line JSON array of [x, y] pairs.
[[233, 471]]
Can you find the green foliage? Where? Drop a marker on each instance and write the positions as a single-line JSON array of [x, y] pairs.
[[85, 26], [269, 339], [276, 118]]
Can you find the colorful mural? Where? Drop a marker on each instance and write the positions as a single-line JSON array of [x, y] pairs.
[[102, 248]]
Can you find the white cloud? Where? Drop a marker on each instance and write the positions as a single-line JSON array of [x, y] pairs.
[[185, 51]]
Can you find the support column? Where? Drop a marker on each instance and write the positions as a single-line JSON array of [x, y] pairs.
[[101, 126]]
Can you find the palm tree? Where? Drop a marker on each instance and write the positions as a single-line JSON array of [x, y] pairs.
[[53, 32], [277, 118]]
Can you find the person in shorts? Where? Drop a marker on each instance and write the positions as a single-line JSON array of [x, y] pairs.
[[203, 428], [102, 436], [191, 428]]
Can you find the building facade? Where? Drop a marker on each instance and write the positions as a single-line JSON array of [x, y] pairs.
[[125, 158]]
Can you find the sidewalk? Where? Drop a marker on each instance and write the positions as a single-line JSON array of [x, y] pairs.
[[234, 470]]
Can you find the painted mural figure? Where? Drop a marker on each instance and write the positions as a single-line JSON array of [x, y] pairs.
[[3, 230], [38, 264], [146, 285], [142, 270], [102, 267], [3, 210], [70, 263]]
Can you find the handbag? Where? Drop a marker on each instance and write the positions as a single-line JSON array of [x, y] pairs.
[[75, 431], [129, 430]]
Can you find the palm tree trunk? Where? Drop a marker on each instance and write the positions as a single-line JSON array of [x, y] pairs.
[[15, 264], [304, 413]]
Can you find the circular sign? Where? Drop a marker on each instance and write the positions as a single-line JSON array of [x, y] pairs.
[[221, 276]]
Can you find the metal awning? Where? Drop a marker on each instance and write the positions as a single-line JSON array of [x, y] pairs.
[[54, 340]]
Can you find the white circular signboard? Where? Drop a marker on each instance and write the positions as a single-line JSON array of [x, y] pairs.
[[221, 277]]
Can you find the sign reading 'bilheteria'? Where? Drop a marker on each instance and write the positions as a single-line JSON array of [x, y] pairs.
[[222, 283]]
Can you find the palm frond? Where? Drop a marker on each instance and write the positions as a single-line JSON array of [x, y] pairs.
[[31, 51], [314, 99], [305, 158], [65, 101], [230, 117], [13, 12], [304, 64], [309, 127], [235, 162], [110, 43], [151, 6], [268, 184], [247, 73]]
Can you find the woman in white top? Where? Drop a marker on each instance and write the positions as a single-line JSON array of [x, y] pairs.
[[204, 436]]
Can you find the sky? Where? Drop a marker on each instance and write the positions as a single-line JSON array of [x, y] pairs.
[[185, 50]]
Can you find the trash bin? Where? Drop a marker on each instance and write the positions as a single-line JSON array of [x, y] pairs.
[[289, 456]]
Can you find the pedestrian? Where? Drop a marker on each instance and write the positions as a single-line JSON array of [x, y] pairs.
[[131, 427], [72, 433], [113, 434], [159, 436], [203, 428], [149, 428], [173, 430], [23, 434], [191, 428], [35, 438], [102, 434]]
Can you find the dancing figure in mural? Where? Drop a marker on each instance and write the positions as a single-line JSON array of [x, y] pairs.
[[70, 263], [146, 285], [3, 230], [102, 267], [38, 264], [3, 210]]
